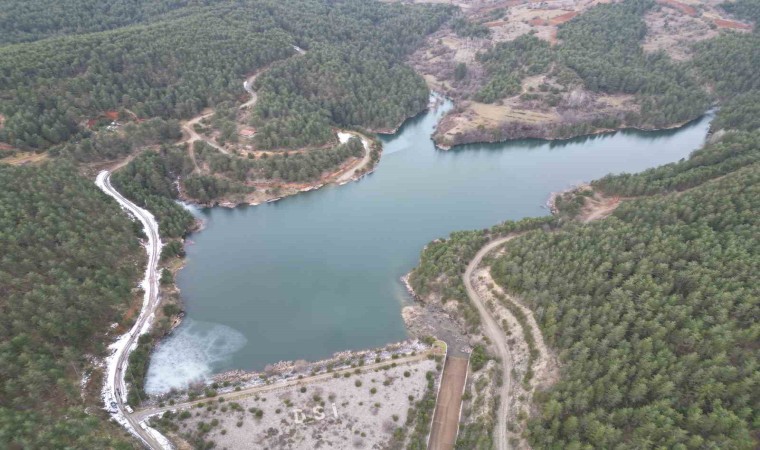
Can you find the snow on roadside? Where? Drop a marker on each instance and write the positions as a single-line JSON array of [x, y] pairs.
[[121, 345]]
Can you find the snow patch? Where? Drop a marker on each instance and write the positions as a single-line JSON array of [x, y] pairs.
[[343, 137]]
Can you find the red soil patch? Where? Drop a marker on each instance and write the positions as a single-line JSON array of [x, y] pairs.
[[559, 20], [538, 22], [6, 147], [110, 115], [684, 8], [723, 23]]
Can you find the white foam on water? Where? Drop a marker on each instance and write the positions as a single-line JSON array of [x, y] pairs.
[[191, 354]]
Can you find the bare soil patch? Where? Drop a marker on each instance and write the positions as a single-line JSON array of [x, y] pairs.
[[676, 25], [515, 117], [23, 158], [362, 410]]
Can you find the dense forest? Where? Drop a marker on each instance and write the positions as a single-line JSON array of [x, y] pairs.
[[173, 65], [654, 313], [170, 69], [352, 73], [600, 50], [31, 20], [69, 262], [149, 181]]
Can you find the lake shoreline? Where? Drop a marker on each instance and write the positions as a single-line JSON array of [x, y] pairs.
[[543, 135], [256, 198], [331, 219]]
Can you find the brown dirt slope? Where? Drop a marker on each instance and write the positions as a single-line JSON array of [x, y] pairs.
[[443, 434]]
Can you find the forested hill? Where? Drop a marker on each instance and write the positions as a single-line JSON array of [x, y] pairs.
[[69, 265], [172, 59], [30, 20]]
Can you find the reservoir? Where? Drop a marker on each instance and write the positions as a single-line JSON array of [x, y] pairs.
[[319, 272]]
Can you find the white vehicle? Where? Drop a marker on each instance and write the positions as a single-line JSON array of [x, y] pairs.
[[129, 409]]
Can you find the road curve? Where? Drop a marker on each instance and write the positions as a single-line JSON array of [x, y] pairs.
[[350, 173], [497, 337], [192, 136], [115, 389]]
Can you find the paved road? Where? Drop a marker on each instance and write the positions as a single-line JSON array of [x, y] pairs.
[[443, 433], [115, 385], [497, 337]]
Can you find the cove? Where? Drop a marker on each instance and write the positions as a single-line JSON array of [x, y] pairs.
[[319, 272]]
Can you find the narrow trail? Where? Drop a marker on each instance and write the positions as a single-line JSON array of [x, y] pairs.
[[115, 388], [192, 136]]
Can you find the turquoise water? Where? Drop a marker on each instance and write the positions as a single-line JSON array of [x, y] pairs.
[[319, 272]]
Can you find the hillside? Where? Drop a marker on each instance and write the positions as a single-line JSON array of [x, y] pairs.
[[650, 312], [69, 266], [556, 70]]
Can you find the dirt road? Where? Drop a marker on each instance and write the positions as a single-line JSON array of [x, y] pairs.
[[248, 86], [115, 389], [443, 434], [192, 136], [498, 339]]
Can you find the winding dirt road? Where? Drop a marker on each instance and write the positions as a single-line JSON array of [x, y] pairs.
[[498, 340], [248, 86], [115, 389], [193, 136]]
